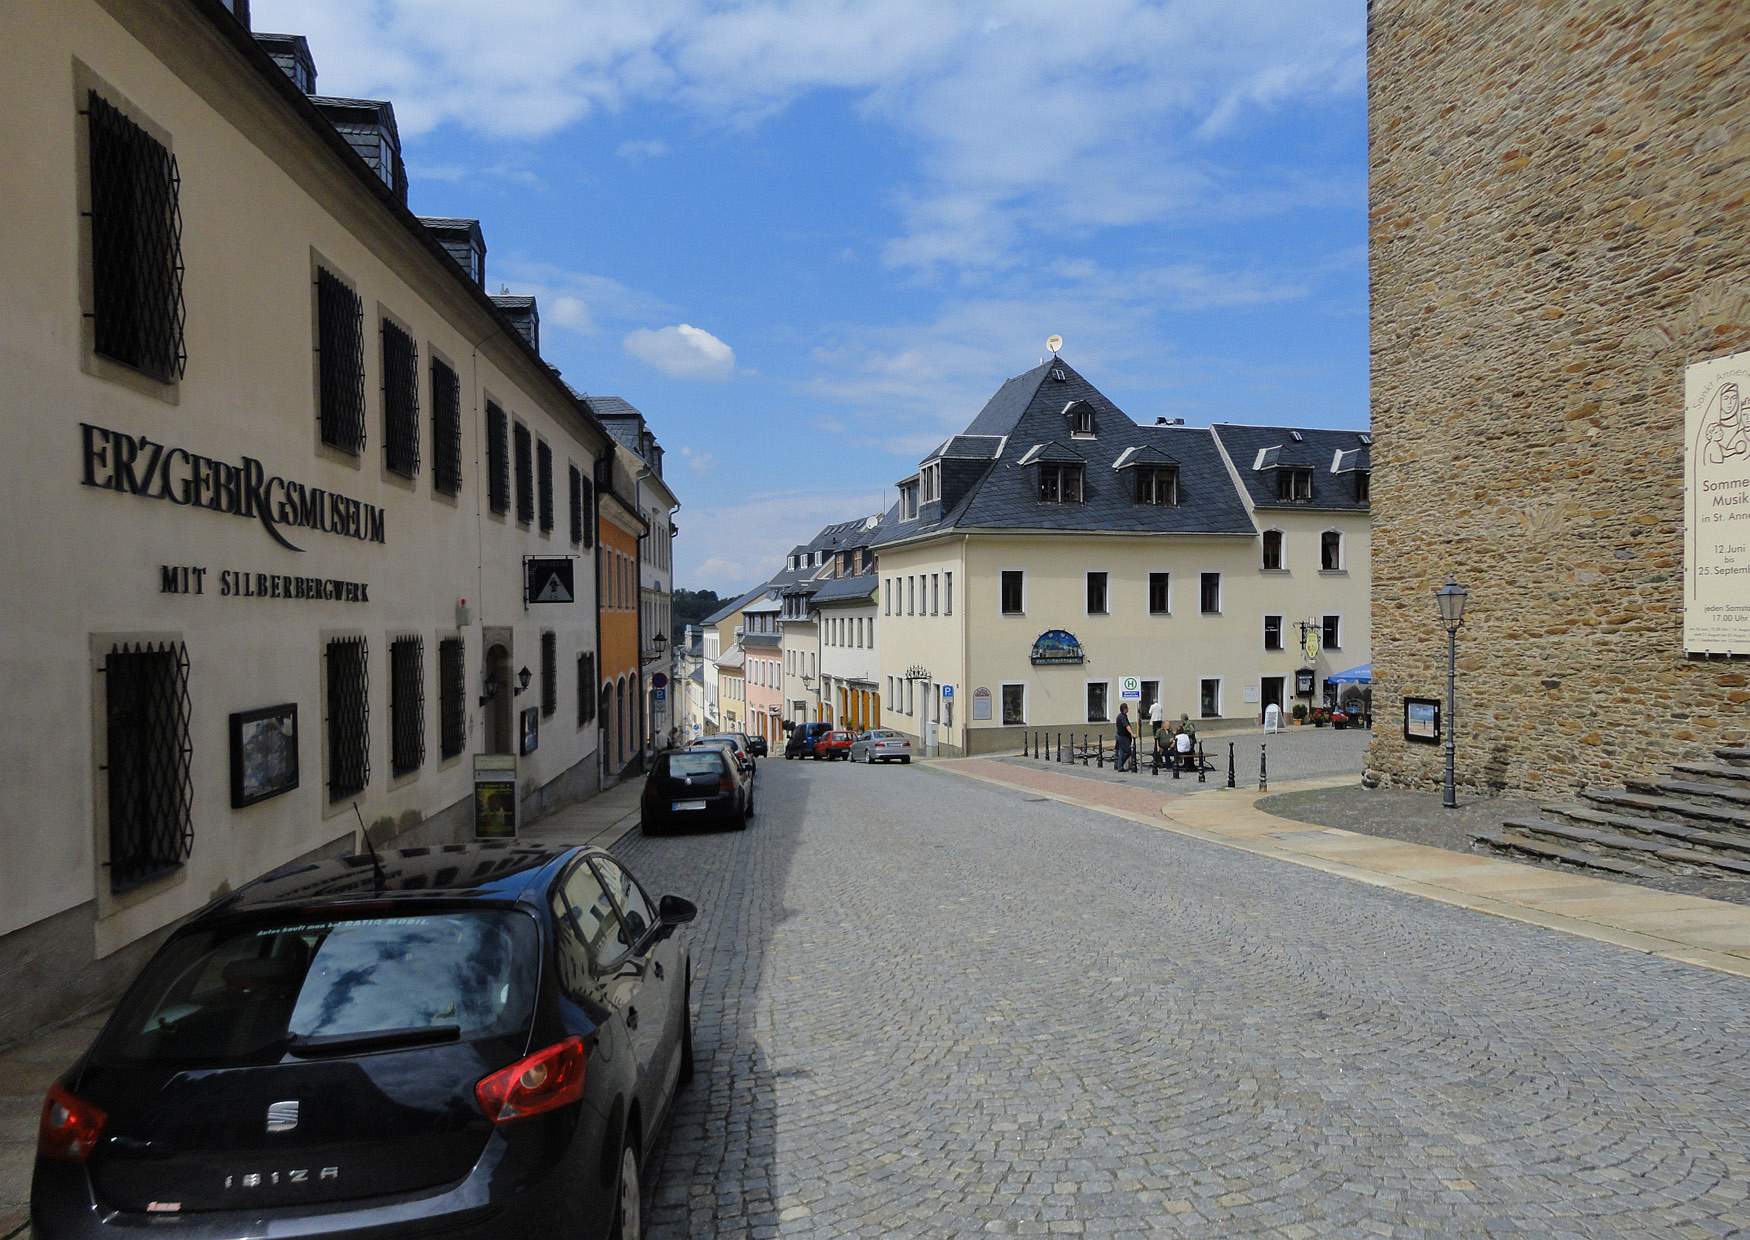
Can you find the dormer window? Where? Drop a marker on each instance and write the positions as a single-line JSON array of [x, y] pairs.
[[908, 501], [930, 483], [1363, 485], [1060, 483], [1294, 484], [1081, 419], [1157, 484]]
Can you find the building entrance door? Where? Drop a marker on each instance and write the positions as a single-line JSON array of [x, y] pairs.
[[500, 712], [1270, 693], [932, 709]]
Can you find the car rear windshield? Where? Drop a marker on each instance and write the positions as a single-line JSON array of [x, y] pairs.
[[700, 763], [254, 993]]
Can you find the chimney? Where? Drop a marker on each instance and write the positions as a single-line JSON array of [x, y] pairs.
[[465, 242], [522, 312], [291, 52], [368, 125], [1165, 421]]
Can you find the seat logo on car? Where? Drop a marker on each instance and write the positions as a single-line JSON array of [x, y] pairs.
[[282, 1116]]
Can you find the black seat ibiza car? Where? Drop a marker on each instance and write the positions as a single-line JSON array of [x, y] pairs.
[[469, 1041]]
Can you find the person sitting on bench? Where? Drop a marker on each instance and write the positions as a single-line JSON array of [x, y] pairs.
[[1182, 749]]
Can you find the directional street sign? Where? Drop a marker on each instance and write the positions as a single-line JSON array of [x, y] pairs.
[[548, 581]]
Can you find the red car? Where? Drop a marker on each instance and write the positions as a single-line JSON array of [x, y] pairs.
[[834, 745]]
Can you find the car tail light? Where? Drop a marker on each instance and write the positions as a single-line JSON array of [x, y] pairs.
[[70, 1127], [545, 1080]]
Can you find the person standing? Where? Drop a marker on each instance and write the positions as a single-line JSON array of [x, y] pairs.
[[1126, 746]]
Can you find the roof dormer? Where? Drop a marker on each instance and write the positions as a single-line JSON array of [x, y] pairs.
[[1079, 414], [1061, 472], [1155, 475]]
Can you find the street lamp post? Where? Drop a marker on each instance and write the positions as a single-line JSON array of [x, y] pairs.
[[1451, 598]]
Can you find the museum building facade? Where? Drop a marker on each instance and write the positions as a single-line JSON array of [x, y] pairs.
[[273, 461]]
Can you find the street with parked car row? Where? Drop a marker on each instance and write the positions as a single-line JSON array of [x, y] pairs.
[[926, 1006]]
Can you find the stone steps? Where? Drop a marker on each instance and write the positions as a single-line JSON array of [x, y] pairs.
[[1726, 843], [1722, 773], [1652, 856], [1669, 808], [1684, 789], [1514, 842], [1733, 756]]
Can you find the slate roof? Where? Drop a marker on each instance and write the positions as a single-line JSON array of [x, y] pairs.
[[613, 407], [729, 609], [768, 641], [732, 658], [697, 675], [966, 448], [1029, 411], [846, 589], [1317, 450]]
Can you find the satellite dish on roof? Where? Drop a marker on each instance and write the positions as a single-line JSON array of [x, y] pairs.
[[1054, 343]]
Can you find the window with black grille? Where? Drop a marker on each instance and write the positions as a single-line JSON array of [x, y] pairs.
[[400, 401], [136, 245], [452, 709], [406, 704], [525, 475], [150, 791], [497, 460], [576, 506], [587, 500], [544, 482], [349, 717], [340, 351], [549, 673], [585, 689], [446, 429]]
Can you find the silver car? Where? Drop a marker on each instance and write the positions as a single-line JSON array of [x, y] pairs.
[[880, 745]]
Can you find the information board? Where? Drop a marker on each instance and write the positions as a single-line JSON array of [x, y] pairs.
[[1716, 544]]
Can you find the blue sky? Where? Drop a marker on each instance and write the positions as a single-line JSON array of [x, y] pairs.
[[808, 239]]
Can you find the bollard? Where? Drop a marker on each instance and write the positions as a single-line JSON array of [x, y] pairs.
[[1230, 764], [1175, 761], [1100, 756], [1201, 778], [1060, 747], [1263, 768], [1084, 748], [1023, 744]]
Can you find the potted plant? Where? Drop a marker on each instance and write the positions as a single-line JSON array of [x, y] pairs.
[[1299, 713], [1320, 717], [1339, 719]]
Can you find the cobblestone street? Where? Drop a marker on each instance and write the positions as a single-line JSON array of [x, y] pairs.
[[929, 1007]]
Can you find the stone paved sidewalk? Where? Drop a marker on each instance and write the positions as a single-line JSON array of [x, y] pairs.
[[1679, 927]]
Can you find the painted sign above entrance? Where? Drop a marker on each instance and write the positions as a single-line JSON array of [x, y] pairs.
[[140, 465], [1057, 646]]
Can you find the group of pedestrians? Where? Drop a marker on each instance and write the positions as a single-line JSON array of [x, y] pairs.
[[1174, 742]]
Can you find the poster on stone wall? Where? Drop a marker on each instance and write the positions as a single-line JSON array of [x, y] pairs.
[[1716, 546]]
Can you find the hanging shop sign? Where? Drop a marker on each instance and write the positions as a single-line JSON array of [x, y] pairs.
[[548, 581], [1310, 640], [1716, 544], [140, 465], [239, 583], [1057, 646], [497, 808], [917, 672]]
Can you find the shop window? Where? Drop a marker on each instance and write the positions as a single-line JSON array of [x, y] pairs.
[[497, 459], [452, 704], [136, 245], [1014, 704], [406, 704], [148, 754], [544, 483], [549, 673], [525, 475], [446, 429], [349, 716], [340, 356]]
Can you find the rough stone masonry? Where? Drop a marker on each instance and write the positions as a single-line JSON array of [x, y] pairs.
[[1558, 226]]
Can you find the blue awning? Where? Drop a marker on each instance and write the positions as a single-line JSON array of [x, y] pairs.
[[1362, 675]]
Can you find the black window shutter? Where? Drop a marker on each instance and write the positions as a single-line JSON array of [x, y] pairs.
[[497, 460]]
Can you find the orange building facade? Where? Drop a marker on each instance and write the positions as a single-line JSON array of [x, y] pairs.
[[617, 589]]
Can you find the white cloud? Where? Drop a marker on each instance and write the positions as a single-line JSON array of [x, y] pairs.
[[1031, 124], [642, 148], [734, 546], [576, 301], [700, 462], [685, 351]]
